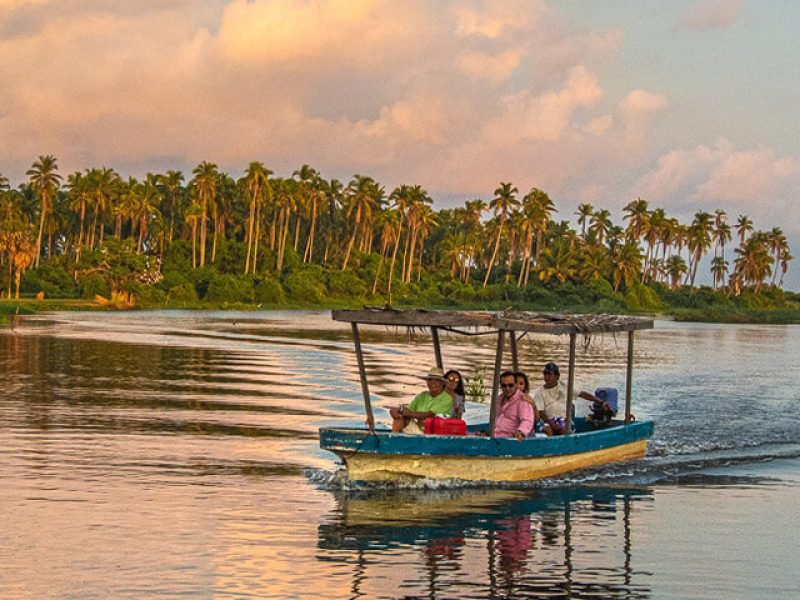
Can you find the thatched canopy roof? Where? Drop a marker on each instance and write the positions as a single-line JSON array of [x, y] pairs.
[[553, 323]]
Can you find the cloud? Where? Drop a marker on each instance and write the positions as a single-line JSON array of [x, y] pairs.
[[757, 181], [546, 116], [712, 14]]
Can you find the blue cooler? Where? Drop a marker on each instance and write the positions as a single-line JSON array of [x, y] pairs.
[[607, 394]]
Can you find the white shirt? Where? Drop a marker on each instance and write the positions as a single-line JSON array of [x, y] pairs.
[[552, 402]]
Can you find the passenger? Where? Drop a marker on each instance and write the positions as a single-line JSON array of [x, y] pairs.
[[603, 410], [514, 416], [435, 401], [551, 400], [454, 386], [524, 385]]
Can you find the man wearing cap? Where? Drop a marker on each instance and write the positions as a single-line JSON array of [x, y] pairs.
[[551, 400], [435, 401]]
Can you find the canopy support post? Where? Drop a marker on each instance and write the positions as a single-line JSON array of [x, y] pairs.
[[514, 356], [629, 378], [363, 374], [498, 360], [571, 381], [437, 349]]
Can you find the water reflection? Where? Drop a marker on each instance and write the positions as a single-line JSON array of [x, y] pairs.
[[574, 542]]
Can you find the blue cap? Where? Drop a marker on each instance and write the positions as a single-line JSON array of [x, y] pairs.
[[552, 368]]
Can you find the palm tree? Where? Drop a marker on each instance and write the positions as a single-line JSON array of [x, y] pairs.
[[776, 242], [699, 241], [417, 215], [538, 208], [719, 269], [79, 190], [45, 180], [722, 232], [402, 198], [172, 182], [599, 225], [743, 226], [503, 202], [192, 215], [206, 177], [363, 195], [637, 216], [595, 263], [256, 177], [676, 268], [558, 261], [310, 188], [105, 185], [626, 264], [585, 212], [754, 262]]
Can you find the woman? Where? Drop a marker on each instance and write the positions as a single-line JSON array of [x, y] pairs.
[[524, 386], [454, 386]]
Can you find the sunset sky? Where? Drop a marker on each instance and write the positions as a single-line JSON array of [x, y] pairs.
[[690, 104]]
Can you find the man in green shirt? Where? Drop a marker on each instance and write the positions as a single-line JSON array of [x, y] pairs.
[[436, 401]]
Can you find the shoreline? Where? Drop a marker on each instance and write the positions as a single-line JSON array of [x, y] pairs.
[[28, 306]]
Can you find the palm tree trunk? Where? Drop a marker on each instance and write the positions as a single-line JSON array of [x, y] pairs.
[[494, 255]]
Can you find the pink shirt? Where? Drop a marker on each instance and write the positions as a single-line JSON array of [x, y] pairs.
[[513, 415]]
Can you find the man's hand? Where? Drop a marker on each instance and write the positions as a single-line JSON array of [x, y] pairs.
[[520, 436]]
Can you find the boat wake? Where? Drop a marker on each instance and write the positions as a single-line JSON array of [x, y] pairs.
[[660, 469]]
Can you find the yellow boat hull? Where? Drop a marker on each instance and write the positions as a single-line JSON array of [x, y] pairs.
[[383, 467]]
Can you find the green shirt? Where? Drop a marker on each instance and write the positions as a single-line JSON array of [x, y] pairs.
[[439, 405]]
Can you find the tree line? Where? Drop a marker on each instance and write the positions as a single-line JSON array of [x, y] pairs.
[[96, 225]]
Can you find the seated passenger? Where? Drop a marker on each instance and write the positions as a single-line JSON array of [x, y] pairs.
[[454, 385], [434, 401], [524, 385], [514, 416], [604, 407], [551, 400]]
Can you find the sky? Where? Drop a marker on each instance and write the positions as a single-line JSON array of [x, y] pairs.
[[689, 104]]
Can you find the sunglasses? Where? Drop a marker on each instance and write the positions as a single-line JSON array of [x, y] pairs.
[[508, 385], [453, 379]]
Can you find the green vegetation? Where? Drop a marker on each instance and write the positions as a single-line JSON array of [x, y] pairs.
[[303, 241]]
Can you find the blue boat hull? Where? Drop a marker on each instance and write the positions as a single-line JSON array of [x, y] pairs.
[[384, 455]]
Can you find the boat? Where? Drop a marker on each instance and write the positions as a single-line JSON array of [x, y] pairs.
[[377, 454]]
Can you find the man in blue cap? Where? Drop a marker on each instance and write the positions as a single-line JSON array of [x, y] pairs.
[[551, 400]]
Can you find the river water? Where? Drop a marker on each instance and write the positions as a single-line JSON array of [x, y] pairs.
[[162, 454]]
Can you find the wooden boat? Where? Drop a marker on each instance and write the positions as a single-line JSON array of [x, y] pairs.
[[371, 454]]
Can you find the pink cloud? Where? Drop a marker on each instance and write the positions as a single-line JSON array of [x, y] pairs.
[[712, 14]]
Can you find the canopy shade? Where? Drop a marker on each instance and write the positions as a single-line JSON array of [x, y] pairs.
[[553, 323]]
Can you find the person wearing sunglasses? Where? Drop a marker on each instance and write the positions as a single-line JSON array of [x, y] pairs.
[[454, 385], [514, 416]]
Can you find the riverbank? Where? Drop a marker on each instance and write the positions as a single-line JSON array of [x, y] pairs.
[[788, 315]]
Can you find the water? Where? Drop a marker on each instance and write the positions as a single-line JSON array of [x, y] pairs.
[[162, 454]]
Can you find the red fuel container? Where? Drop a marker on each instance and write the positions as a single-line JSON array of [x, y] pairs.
[[440, 426]]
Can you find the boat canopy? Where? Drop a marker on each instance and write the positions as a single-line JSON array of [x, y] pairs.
[[503, 323], [552, 323]]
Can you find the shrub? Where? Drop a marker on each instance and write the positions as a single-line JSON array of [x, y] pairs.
[[345, 284], [229, 288], [642, 298], [52, 278], [183, 293], [269, 291], [305, 286], [95, 284]]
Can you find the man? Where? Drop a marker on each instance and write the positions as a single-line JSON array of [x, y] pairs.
[[436, 401], [551, 401], [514, 416]]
